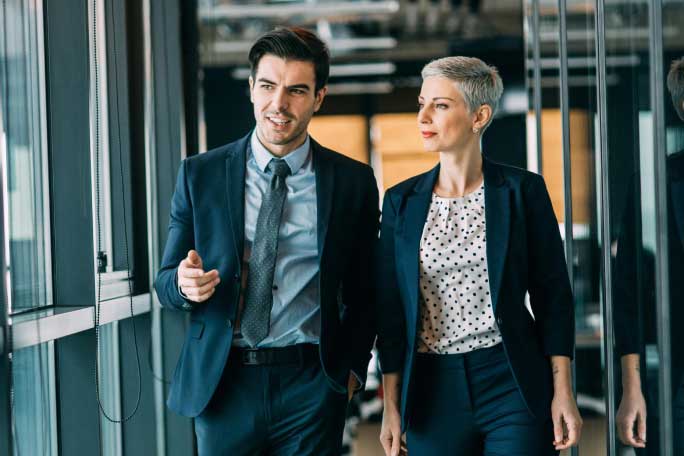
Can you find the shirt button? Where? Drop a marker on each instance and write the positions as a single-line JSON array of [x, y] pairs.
[[275, 287]]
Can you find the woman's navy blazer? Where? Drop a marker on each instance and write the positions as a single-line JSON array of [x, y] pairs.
[[524, 255]]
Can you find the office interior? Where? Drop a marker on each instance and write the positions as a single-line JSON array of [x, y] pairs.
[[100, 100]]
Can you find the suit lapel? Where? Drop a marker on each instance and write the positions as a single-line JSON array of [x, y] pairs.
[[236, 162], [325, 185], [497, 220], [413, 221]]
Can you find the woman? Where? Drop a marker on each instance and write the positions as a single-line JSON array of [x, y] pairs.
[[467, 368]]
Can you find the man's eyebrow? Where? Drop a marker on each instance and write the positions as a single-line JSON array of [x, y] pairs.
[[299, 86], [294, 86]]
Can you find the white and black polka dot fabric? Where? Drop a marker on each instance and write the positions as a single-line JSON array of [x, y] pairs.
[[456, 313]]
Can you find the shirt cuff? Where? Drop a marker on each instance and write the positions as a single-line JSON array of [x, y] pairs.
[[187, 305]]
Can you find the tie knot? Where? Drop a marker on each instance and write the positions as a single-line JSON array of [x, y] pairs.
[[279, 167]]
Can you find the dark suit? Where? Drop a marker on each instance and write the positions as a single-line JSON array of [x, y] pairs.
[[635, 311], [207, 214], [524, 253]]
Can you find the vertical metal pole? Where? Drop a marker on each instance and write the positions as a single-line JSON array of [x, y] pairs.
[[5, 370], [661, 224], [152, 224], [567, 161], [604, 201], [536, 89]]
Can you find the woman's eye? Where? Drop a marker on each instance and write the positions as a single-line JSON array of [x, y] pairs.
[[441, 106]]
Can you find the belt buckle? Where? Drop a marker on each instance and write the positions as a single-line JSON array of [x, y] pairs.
[[250, 357]]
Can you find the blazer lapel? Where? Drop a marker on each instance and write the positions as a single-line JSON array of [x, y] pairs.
[[236, 161], [413, 221], [497, 220], [325, 185]]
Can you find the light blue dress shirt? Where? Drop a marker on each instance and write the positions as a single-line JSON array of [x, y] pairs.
[[296, 314]]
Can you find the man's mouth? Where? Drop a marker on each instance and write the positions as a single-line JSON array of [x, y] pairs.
[[278, 121]]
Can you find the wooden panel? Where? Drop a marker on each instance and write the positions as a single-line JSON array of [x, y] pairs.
[[396, 134], [396, 169], [552, 162], [396, 142], [344, 134]]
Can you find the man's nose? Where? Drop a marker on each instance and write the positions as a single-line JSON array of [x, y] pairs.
[[280, 100]]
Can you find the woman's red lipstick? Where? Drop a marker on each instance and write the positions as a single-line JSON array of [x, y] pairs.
[[428, 134]]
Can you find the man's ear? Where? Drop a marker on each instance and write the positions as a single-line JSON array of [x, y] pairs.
[[251, 89], [320, 95]]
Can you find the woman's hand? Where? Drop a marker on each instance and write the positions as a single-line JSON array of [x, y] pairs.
[[631, 414], [632, 410], [567, 422], [390, 433]]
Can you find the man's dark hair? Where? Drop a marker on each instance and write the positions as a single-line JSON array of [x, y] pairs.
[[293, 43], [675, 84]]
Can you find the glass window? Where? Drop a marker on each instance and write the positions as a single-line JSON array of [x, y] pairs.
[[673, 74], [34, 427], [22, 100]]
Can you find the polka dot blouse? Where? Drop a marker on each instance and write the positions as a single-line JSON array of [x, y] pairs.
[[456, 314]]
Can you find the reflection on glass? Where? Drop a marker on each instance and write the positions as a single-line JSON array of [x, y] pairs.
[[675, 182], [33, 404], [23, 98], [639, 418]]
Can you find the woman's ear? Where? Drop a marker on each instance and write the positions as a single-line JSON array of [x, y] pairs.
[[482, 117]]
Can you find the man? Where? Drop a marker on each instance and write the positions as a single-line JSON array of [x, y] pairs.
[[269, 249], [635, 326]]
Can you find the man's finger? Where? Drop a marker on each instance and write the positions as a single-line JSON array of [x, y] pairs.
[[194, 259], [198, 291], [205, 296], [189, 272]]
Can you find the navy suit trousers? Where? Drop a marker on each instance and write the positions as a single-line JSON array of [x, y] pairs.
[[274, 410], [469, 405]]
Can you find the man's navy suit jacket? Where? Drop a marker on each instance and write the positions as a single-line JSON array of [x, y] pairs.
[[207, 214], [524, 254]]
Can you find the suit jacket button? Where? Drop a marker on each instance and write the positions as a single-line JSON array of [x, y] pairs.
[[499, 321], [229, 323], [236, 277]]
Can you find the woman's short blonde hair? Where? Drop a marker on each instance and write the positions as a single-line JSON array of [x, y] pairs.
[[478, 82], [675, 84]]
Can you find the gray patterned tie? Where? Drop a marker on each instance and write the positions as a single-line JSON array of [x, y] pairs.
[[259, 290]]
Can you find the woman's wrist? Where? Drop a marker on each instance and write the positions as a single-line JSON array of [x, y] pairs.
[[562, 382]]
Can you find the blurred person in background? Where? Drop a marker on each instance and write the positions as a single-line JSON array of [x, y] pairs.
[[635, 307]]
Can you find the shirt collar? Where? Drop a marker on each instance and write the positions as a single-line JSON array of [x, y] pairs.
[[295, 159]]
